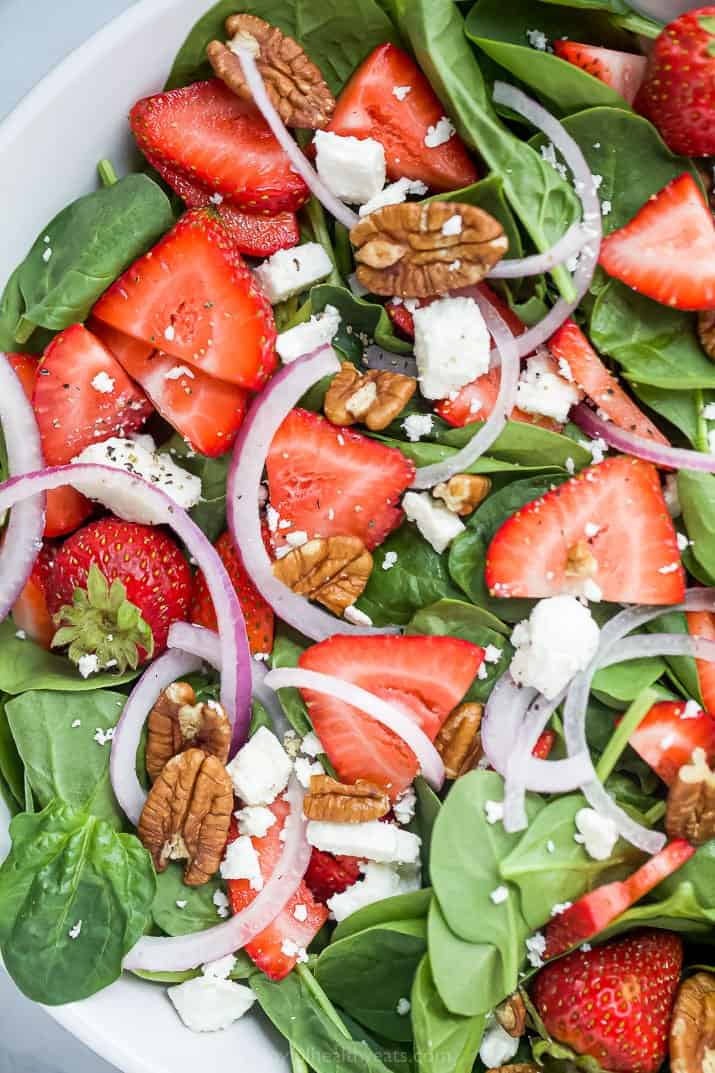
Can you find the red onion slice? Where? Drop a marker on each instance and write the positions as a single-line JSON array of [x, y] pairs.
[[428, 758], [570, 243], [254, 81], [263, 420], [180, 952], [658, 454]]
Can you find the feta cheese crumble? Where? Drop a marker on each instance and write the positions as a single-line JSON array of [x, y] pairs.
[[692, 710], [497, 1046], [261, 769], [494, 811], [221, 968], [353, 169], [75, 930], [541, 391], [139, 456], [305, 769], [404, 807], [393, 194], [177, 371], [417, 425], [103, 383], [537, 39], [452, 226], [357, 617], [499, 895], [439, 133], [438, 525], [209, 1004], [254, 820], [401, 92], [379, 881], [289, 272], [304, 338], [241, 862], [102, 736], [403, 1007], [492, 654], [535, 947], [599, 833], [373, 841], [558, 640], [389, 561], [451, 345], [88, 664], [221, 902]]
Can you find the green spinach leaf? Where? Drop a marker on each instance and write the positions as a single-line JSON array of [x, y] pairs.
[[24, 665], [178, 909], [412, 906], [286, 653], [443, 1040], [488, 194], [468, 976], [210, 512], [525, 445], [623, 682], [697, 497], [12, 769], [361, 321]]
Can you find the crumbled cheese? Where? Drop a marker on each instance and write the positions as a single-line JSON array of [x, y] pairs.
[[220, 969], [548, 155], [570, 466], [669, 568], [46, 254], [139, 456], [542, 391], [550, 846], [439, 133], [88, 664], [499, 895], [535, 947], [606, 207], [254, 820], [682, 541], [492, 654], [385, 843], [417, 425], [401, 92], [453, 225], [452, 345], [103, 383], [558, 639], [170, 333], [404, 806], [537, 39], [181, 903], [497, 1046], [305, 769], [403, 1007], [353, 169], [247, 42], [21, 635], [709, 411], [241, 862], [289, 272], [389, 560], [560, 907], [438, 525], [494, 811], [599, 833], [206, 1004], [393, 194], [301, 913], [221, 902], [357, 617], [177, 371], [291, 949], [261, 769], [379, 881], [305, 338], [76, 723], [102, 737], [670, 494], [597, 447], [692, 710], [75, 930], [311, 744]]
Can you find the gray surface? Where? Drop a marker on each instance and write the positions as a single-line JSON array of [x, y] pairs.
[[36, 35]]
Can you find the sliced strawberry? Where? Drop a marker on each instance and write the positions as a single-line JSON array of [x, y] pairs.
[[622, 71], [425, 676], [194, 296], [401, 318], [30, 611], [330, 481], [544, 745], [667, 251], [328, 875], [594, 912], [267, 949], [668, 734], [25, 365], [206, 412], [369, 107], [570, 346], [220, 141], [634, 552], [702, 624], [257, 613]]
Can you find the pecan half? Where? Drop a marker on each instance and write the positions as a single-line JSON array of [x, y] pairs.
[[333, 570], [414, 250], [177, 722], [691, 802], [339, 803], [187, 814], [375, 397], [295, 85], [459, 742], [580, 561], [706, 331], [692, 1029], [463, 493], [511, 1015]]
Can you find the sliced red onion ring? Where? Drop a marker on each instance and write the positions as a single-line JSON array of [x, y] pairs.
[[134, 499], [263, 420], [254, 81], [389, 715], [571, 243], [23, 538], [180, 952], [657, 453], [428, 476]]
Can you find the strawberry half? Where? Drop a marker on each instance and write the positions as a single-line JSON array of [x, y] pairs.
[[328, 875], [622, 71], [667, 736], [30, 611], [257, 613], [614, 1002], [332, 481], [549, 548], [667, 251], [426, 677], [702, 624]]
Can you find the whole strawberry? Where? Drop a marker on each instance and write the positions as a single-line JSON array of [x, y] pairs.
[[678, 93], [614, 1002], [114, 589]]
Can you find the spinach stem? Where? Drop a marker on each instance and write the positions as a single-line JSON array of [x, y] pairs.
[[298, 1064], [656, 812], [319, 225], [321, 998], [24, 330], [107, 174], [638, 709], [638, 24], [701, 434]]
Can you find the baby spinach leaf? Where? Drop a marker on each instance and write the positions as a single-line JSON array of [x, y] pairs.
[[24, 665], [683, 668], [488, 194], [699, 872], [286, 653], [412, 906], [11, 767], [525, 445], [426, 813], [63, 760], [66, 867], [618, 7], [362, 321], [682, 409], [624, 681], [679, 911], [500, 472], [697, 497], [443, 1040], [468, 976], [210, 512], [199, 910]]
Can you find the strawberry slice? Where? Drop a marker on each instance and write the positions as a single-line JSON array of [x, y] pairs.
[[549, 547], [194, 296], [25, 366], [332, 481], [570, 346], [30, 611], [206, 412], [328, 875], [426, 677], [668, 734], [220, 141], [622, 71], [544, 745], [702, 624], [667, 251], [593, 912], [389, 99], [257, 613], [267, 949]]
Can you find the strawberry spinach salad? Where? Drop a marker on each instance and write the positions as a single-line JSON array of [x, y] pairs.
[[358, 582]]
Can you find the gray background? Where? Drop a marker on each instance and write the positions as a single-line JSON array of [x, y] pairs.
[[35, 36]]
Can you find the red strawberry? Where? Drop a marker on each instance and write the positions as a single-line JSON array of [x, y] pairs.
[[570, 345], [544, 745], [194, 296], [634, 553], [331, 481], [702, 624], [667, 736], [267, 949], [667, 251], [622, 71], [614, 1002], [678, 94], [25, 366], [401, 318], [328, 875], [154, 578], [593, 913], [220, 141], [30, 612], [426, 677], [258, 614], [206, 412]]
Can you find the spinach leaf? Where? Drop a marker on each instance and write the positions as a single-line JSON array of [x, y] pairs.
[[618, 7], [454, 618], [488, 194], [65, 867], [24, 665], [286, 653], [365, 319], [337, 38], [62, 760], [412, 906], [697, 497], [199, 910], [525, 445], [12, 769], [679, 911], [210, 512], [682, 409], [426, 813], [91, 242], [623, 682], [443, 1040], [683, 668], [699, 871], [468, 976], [424, 453]]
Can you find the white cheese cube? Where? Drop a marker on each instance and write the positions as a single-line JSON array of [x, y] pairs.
[[353, 169], [305, 769], [497, 1046], [261, 769], [393, 194], [138, 455], [438, 525], [558, 640], [304, 338], [380, 881], [374, 841], [207, 1004], [451, 345], [241, 862], [599, 833], [542, 391], [254, 820], [289, 272]]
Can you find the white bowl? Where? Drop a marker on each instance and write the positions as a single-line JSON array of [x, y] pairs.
[[49, 148]]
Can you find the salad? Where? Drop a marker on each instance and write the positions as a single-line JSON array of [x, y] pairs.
[[358, 576]]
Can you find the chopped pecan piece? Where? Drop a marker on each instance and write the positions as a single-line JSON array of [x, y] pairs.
[[463, 493], [339, 803], [415, 251], [295, 85], [187, 814], [375, 397], [177, 722], [511, 1015], [691, 802], [459, 742], [332, 570], [692, 1029], [706, 331], [580, 561]]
